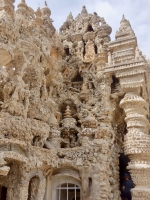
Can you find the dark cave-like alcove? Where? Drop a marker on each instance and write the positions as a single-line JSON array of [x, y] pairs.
[[3, 193], [123, 163], [90, 28], [114, 85], [77, 78]]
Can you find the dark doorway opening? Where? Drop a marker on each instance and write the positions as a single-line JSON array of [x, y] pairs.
[[3, 193], [123, 163]]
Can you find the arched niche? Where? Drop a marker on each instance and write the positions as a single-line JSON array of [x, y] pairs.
[[71, 104], [36, 185], [63, 186], [115, 85], [33, 188], [77, 81], [90, 28]]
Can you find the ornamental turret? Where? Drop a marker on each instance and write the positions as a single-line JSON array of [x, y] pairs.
[[47, 21], [69, 129], [7, 9], [22, 12], [70, 17], [123, 48], [125, 29]]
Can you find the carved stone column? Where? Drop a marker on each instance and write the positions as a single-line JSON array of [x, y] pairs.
[[19, 192], [137, 144]]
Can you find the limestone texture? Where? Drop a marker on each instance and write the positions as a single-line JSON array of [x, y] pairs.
[[70, 103]]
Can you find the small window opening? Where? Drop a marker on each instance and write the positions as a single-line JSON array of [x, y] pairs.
[[67, 51], [84, 49], [95, 49], [90, 187], [41, 59], [63, 145]]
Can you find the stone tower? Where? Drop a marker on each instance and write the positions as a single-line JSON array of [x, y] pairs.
[[70, 104]]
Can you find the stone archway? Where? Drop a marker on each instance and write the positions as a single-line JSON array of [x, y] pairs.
[[63, 185]]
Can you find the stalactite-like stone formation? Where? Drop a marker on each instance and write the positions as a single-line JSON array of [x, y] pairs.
[[70, 104]]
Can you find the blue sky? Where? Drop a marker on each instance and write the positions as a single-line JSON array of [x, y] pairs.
[[136, 11]]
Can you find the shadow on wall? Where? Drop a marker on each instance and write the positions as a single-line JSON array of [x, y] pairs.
[[123, 163]]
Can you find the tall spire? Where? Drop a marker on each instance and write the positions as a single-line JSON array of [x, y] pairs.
[[125, 29], [70, 17], [46, 11], [123, 17], [124, 20], [45, 3]]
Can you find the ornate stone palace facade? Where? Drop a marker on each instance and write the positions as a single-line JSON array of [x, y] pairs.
[[70, 104]]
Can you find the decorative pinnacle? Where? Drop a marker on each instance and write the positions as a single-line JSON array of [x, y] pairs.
[[84, 11], [38, 12], [67, 113], [23, 1], [70, 17], [123, 17], [45, 3], [46, 11]]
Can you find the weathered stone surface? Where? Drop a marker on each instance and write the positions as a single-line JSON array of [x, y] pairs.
[[70, 103]]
